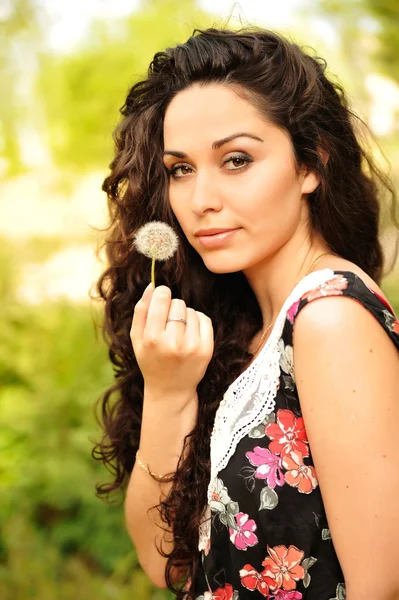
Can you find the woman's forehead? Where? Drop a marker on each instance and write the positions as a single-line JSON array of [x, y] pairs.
[[214, 97], [209, 113]]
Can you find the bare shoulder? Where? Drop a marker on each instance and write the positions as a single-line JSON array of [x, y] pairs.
[[339, 331]]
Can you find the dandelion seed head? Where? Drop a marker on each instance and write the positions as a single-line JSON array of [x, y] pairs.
[[156, 240]]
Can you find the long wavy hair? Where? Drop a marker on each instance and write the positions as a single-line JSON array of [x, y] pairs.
[[290, 88]]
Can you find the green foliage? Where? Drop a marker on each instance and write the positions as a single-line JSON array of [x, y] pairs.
[[19, 34], [37, 569], [386, 14], [58, 540], [379, 16], [390, 287], [83, 91]]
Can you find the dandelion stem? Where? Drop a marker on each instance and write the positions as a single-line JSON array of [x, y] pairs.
[[153, 271]]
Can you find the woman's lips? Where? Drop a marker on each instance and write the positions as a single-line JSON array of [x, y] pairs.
[[217, 239]]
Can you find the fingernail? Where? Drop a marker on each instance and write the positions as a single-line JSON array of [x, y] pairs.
[[163, 290]]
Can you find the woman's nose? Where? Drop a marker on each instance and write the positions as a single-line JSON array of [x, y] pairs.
[[206, 195]]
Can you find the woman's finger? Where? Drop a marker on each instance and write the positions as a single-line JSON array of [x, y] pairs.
[[206, 333], [175, 330], [157, 313], [140, 313], [192, 332]]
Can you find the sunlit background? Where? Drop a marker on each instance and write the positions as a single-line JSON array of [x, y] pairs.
[[65, 68]]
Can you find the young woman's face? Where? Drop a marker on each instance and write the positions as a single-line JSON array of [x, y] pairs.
[[232, 169]]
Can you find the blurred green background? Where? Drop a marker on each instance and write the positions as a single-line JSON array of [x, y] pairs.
[[64, 71]]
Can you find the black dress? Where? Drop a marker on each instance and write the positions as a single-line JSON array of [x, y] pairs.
[[268, 536]]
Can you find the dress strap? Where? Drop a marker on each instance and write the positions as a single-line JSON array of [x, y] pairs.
[[347, 283]]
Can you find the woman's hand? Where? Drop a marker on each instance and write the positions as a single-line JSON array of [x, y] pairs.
[[173, 357]]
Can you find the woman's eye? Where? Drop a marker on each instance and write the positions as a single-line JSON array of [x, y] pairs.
[[237, 162], [174, 171]]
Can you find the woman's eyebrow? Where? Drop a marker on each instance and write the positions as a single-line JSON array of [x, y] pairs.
[[216, 144], [223, 141]]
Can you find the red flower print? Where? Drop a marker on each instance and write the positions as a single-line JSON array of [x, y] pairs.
[[283, 595], [382, 299], [292, 311], [269, 466], [332, 287], [224, 593], [287, 434], [391, 321], [252, 580], [282, 566], [244, 535], [298, 474]]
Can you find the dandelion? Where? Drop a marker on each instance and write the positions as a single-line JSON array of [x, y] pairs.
[[157, 241]]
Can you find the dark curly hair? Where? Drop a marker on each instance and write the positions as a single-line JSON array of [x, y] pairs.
[[290, 88]]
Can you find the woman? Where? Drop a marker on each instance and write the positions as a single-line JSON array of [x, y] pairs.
[[243, 146]]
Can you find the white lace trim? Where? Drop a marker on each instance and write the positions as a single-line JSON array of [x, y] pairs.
[[250, 397]]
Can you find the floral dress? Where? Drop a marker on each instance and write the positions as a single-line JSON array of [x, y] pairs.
[[266, 533]]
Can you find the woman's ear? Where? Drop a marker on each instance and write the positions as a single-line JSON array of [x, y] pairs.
[[310, 182], [311, 179]]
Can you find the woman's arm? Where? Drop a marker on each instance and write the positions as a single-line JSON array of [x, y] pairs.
[[173, 359], [162, 435], [347, 374]]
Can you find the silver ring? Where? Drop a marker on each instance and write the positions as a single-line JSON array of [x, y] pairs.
[[176, 319]]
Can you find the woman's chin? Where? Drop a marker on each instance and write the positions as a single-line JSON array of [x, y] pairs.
[[220, 266]]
